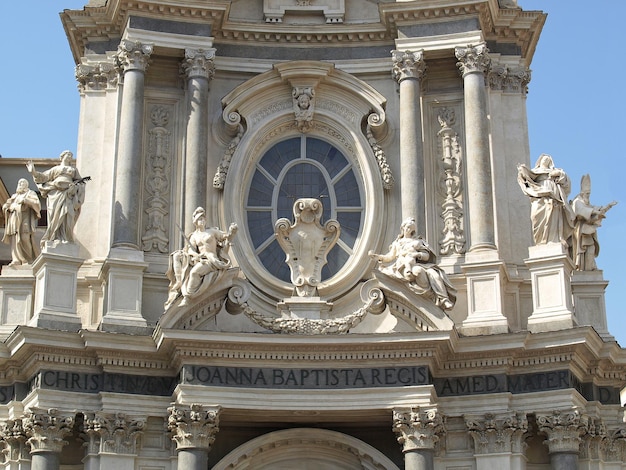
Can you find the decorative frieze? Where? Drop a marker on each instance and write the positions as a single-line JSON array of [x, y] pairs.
[[157, 181], [193, 427], [564, 429], [451, 185], [407, 64], [418, 428], [498, 433], [46, 429], [112, 433]]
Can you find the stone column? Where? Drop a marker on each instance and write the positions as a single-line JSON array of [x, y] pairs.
[[564, 430], [193, 429], [46, 430], [408, 69], [111, 440], [498, 440], [133, 60], [473, 63], [418, 432], [199, 69], [16, 451]]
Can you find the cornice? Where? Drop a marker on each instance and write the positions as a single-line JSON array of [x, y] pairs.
[[516, 26]]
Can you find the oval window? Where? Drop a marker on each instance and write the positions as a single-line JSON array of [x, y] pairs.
[[303, 167]]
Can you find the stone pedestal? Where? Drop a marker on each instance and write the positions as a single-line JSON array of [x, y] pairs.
[[123, 273], [485, 300], [55, 272], [550, 276], [312, 308], [17, 288], [588, 293]]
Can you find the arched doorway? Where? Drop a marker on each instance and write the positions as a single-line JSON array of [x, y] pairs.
[[305, 449]]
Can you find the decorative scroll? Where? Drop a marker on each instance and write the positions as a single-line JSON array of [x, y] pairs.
[[222, 170], [385, 172], [453, 240], [157, 183], [418, 428], [193, 427]]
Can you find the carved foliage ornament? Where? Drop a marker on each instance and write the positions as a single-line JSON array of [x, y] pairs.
[[407, 64], [198, 63], [498, 433], [418, 428], [98, 76], [194, 426], [46, 429], [473, 59], [113, 433], [564, 429], [133, 55]]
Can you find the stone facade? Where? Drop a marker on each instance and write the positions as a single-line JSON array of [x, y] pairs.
[[237, 295]]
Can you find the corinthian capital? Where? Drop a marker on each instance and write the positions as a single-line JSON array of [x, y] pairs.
[[46, 429], [198, 63], [564, 429], [115, 433], [14, 437], [473, 59], [95, 76], [193, 427], [133, 55], [497, 433], [408, 64], [418, 429]]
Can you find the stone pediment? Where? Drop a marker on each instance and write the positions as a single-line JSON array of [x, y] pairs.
[[414, 309], [192, 314]]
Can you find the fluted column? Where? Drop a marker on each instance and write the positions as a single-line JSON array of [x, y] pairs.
[[473, 62], [16, 451], [193, 429], [418, 432], [498, 439], [46, 431], [133, 59], [198, 68], [111, 440], [564, 430], [408, 69]]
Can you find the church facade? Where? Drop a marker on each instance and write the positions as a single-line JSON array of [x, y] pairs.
[[305, 235]]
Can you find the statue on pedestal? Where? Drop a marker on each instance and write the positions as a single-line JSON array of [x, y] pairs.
[[64, 191], [585, 246], [412, 260], [22, 212], [198, 265], [548, 188]]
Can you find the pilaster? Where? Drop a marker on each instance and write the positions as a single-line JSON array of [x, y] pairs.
[[408, 69], [16, 451], [498, 440], [111, 440], [418, 430]]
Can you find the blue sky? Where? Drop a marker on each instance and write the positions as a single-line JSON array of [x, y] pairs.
[[576, 104]]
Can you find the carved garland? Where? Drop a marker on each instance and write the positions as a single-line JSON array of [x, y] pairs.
[[375, 303]]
